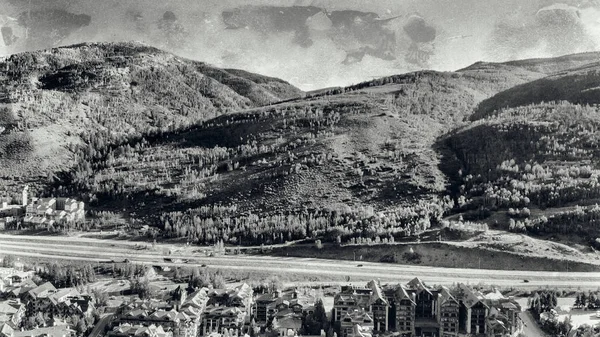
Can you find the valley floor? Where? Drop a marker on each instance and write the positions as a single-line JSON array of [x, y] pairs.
[[293, 268]]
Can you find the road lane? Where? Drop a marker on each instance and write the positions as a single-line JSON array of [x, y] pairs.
[[62, 248]]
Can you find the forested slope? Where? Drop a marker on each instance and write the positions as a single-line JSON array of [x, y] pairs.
[[211, 154], [53, 103], [351, 162]]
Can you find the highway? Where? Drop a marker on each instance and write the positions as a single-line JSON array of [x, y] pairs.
[[100, 326], [97, 250]]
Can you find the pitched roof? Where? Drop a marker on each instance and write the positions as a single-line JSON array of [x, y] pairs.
[[358, 316], [471, 297], [51, 331], [494, 295], [6, 329], [402, 294], [446, 295], [377, 293], [35, 292], [139, 330], [418, 285], [63, 292], [6, 308], [197, 299]]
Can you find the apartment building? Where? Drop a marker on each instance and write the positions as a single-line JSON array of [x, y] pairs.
[[47, 211], [415, 309], [40, 212], [227, 311]]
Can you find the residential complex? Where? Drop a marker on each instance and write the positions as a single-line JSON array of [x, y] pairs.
[[40, 213], [414, 309], [22, 299]]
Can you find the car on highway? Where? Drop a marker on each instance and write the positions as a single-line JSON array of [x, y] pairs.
[[360, 265], [525, 281], [598, 314]]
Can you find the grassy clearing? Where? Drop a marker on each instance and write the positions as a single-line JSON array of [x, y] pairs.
[[438, 255]]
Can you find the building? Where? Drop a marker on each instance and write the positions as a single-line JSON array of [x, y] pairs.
[[287, 326], [128, 330], [51, 331], [449, 312], [178, 317], [223, 320], [10, 215], [12, 312], [40, 213], [279, 304], [228, 311], [415, 309], [350, 299], [44, 212], [12, 276]]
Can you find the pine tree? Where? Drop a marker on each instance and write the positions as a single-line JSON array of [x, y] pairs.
[[591, 300]]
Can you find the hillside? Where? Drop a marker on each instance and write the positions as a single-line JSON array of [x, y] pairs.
[[357, 161], [530, 168], [579, 85], [555, 65], [211, 154], [528, 160], [56, 102]]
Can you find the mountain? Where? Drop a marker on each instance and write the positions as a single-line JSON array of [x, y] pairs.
[[53, 102], [331, 164], [213, 154], [527, 161], [580, 85], [535, 164], [555, 65]]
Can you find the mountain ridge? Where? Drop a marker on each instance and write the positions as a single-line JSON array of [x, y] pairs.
[[369, 160], [58, 98]]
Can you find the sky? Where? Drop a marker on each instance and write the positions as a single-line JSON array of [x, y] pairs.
[[315, 51]]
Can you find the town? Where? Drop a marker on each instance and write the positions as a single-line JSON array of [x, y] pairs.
[[66, 301], [412, 309], [31, 306]]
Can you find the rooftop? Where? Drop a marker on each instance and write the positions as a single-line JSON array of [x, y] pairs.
[[46, 287]]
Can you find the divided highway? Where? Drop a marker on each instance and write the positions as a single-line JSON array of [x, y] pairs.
[[97, 250]]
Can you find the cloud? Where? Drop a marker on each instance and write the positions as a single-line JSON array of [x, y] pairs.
[[315, 52]]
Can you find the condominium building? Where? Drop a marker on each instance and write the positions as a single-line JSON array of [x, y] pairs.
[[415, 309]]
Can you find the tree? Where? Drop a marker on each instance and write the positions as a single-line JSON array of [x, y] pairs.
[[141, 286], [101, 297], [8, 261], [577, 301], [81, 327], [317, 321], [565, 326], [592, 301], [274, 284], [583, 300], [218, 281], [199, 278]]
